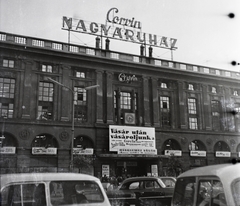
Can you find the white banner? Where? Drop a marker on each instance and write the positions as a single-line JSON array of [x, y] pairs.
[[43, 150], [126, 137], [173, 152], [7, 150], [87, 151], [197, 153], [223, 154]]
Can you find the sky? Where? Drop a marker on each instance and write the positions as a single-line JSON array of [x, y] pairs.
[[205, 34]]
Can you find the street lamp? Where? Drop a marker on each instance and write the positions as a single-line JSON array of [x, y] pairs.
[[73, 92]]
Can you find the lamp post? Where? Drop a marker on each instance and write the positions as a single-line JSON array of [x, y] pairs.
[[72, 135]]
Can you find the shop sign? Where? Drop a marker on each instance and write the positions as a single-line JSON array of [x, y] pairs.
[[138, 151], [223, 154], [43, 150], [7, 150], [80, 151], [173, 152], [126, 137], [154, 170], [126, 30], [197, 153], [105, 170]]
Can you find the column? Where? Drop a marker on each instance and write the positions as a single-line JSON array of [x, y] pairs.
[[65, 96], [206, 108], [99, 108], [27, 88], [182, 106], [146, 105], [156, 122], [109, 96]]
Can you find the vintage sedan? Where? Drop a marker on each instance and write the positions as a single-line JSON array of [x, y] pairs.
[[45, 189], [216, 185], [143, 191]]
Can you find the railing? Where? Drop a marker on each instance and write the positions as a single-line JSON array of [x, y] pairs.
[[65, 47]]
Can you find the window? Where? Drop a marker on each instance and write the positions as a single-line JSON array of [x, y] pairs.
[[8, 63], [193, 123], [165, 111], [80, 102], [236, 191], [24, 194], [216, 114], [46, 68], [235, 93], [210, 192], [7, 91], [184, 191], [214, 90], [190, 87], [164, 85], [151, 184], [192, 109], [192, 114], [45, 101], [124, 102], [80, 74], [75, 193]]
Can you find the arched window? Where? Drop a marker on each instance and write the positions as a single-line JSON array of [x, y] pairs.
[[82, 142], [221, 146], [196, 145]]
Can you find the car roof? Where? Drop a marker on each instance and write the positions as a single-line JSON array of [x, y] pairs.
[[24, 177], [223, 171], [130, 179]]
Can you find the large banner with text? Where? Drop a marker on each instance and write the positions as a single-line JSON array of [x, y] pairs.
[[132, 140]]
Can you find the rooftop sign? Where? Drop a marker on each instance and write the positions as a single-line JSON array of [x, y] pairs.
[[126, 30]]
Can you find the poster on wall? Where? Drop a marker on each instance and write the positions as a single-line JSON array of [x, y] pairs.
[[105, 170], [131, 138]]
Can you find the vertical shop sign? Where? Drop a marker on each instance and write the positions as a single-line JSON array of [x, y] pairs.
[[105, 170], [154, 170]]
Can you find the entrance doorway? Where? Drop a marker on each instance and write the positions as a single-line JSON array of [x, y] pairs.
[[131, 168]]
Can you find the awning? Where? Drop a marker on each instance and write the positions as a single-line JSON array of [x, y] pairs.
[[132, 156]]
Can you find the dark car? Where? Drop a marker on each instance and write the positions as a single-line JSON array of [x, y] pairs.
[[143, 191]]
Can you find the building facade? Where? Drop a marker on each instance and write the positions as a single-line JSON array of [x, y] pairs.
[[143, 112]]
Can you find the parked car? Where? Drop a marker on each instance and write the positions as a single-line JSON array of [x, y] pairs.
[[45, 189], [143, 191], [216, 185]]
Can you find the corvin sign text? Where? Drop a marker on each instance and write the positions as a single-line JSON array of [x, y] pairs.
[[128, 30]]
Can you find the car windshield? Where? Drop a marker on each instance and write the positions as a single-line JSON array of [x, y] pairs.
[[75, 192]]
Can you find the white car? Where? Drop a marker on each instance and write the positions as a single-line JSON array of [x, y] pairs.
[[45, 189], [216, 185]]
